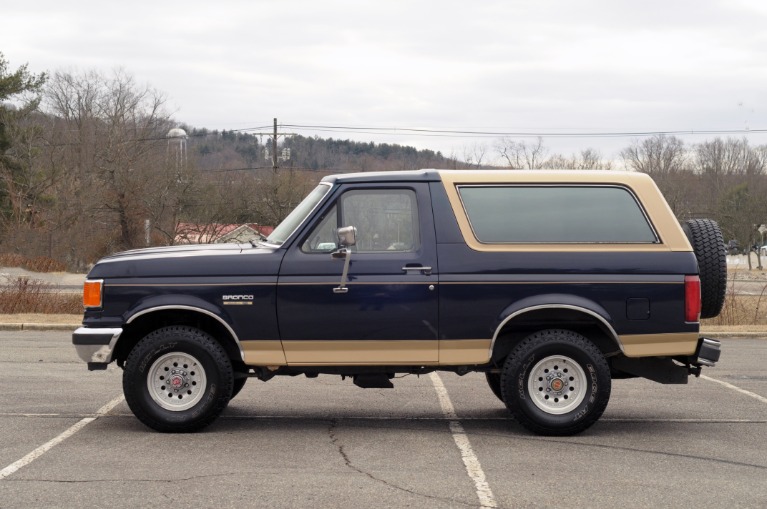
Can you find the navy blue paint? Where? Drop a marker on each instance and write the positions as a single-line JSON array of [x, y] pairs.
[[402, 308], [473, 291], [199, 279], [502, 283]]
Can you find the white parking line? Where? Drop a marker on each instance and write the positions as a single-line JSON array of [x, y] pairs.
[[32, 456], [470, 460], [736, 388]]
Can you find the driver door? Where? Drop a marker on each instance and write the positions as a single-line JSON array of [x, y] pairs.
[[388, 312]]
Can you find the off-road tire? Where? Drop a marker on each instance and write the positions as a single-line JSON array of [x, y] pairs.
[[494, 381], [203, 383], [708, 244], [578, 391], [238, 384]]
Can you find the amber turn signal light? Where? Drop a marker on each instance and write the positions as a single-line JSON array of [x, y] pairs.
[[92, 294]]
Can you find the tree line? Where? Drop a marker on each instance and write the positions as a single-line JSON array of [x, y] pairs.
[[87, 168]]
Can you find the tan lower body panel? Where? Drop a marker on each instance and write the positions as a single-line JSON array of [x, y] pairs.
[[454, 352], [329, 353], [361, 352], [653, 345], [460, 352], [264, 353]]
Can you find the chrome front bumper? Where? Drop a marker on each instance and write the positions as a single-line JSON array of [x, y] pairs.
[[95, 346]]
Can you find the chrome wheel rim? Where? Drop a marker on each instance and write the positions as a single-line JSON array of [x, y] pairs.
[[557, 384], [176, 381]]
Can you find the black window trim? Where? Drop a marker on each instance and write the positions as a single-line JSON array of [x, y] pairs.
[[560, 185]]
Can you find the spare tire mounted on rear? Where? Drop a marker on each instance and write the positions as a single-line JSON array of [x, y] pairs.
[[708, 245]]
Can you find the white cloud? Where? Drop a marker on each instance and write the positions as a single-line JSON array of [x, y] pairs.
[[493, 65]]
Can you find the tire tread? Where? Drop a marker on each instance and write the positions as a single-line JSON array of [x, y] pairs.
[[133, 380]]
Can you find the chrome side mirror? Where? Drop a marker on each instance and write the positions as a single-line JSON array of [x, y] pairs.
[[347, 236]]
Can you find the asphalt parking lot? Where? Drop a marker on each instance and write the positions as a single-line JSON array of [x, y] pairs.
[[69, 440]]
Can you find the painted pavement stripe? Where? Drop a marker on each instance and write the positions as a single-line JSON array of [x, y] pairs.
[[470, 460], [32, 456], [736, 388]]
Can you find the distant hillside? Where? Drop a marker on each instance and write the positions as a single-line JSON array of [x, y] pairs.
[[231, 150]]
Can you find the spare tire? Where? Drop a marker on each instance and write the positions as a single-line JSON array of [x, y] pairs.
[[708, 245]]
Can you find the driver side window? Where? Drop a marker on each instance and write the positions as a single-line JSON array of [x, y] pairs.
[[386, 221]]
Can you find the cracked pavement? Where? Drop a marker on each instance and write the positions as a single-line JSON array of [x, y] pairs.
[[294, 442]]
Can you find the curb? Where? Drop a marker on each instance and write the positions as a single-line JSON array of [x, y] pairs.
[[38, 327], [733, 335]]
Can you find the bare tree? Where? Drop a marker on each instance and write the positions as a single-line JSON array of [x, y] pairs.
[[588, 159], [521, 154], [658, 155], [110, 139], [279, 193], [591, 159], [474, 155], [729, 157]]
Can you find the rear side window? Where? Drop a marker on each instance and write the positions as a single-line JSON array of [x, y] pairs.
[[555, 214]]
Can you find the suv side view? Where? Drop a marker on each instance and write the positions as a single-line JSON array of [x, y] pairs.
[[552, 283]]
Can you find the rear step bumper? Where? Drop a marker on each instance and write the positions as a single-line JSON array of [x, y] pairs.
[[707, 353]]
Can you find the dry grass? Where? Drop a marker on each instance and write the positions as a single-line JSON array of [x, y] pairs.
[[59, 319], [22, 295], [743, 309], [37, 264]]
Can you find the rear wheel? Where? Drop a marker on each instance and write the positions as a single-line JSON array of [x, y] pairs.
[[556, 382], [177, 379], [239, 383]]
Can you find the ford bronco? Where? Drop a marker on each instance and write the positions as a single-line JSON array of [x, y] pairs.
[[551, 283]]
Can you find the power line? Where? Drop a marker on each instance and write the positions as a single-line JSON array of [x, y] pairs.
[[445, 133], [408, 131]]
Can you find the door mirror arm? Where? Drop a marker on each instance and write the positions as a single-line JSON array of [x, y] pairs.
[[347, 237], [347, 256]]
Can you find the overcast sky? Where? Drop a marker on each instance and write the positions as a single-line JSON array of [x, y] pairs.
[[537, 66]]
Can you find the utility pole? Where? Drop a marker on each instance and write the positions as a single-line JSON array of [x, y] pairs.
[[275, 161], [275, 156]]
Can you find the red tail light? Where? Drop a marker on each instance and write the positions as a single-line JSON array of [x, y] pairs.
[[692, 299]]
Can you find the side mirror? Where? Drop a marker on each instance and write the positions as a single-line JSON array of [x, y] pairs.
[[347, 236]]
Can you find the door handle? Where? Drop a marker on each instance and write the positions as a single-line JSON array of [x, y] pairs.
[[426, 271]]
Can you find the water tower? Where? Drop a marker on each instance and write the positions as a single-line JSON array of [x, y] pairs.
[[177, 146]]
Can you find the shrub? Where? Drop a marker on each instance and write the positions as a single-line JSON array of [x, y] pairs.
[[37, 264], [24, 295]]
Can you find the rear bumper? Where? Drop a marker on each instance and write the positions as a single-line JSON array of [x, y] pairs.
[[707, 352], [95, 346]]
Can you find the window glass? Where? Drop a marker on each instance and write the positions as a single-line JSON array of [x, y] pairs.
[[548, 214], [386, 220], [323, 238], [297, 216]]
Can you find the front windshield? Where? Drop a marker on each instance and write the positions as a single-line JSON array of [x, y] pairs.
[[295, 218]]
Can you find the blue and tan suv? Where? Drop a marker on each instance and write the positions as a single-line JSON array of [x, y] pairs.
[[552, 283]]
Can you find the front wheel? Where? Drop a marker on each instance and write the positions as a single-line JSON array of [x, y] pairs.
[[556, 382], [177, 379], [494, 381]]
